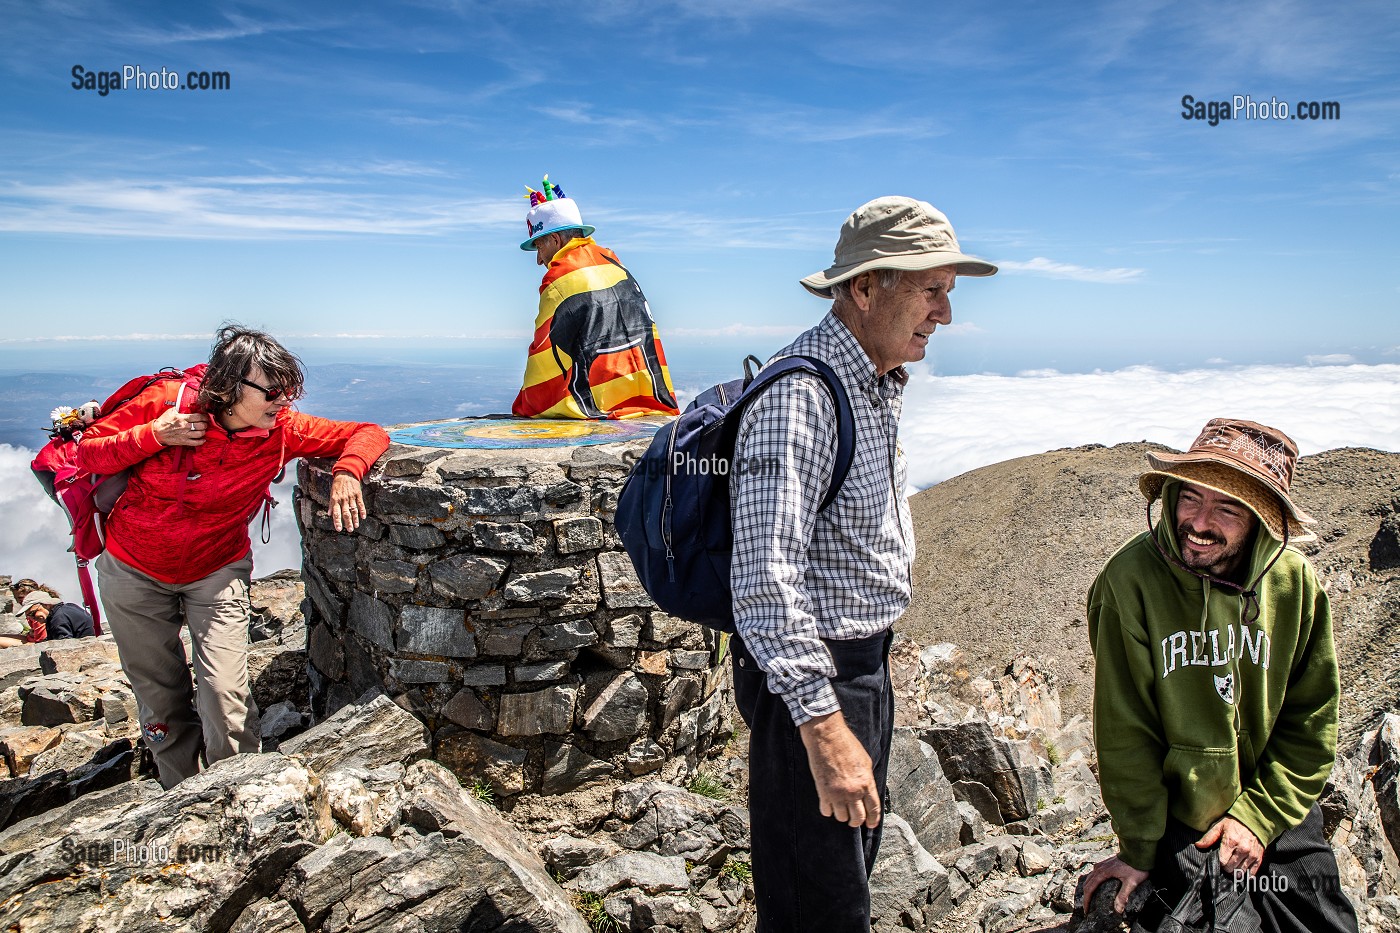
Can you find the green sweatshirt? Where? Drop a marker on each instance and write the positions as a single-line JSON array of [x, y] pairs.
[[1199, 715]]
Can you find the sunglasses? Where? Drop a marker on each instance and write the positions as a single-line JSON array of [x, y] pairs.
[[272, 394]]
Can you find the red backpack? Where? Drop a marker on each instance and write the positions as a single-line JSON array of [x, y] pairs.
[[85, 497]]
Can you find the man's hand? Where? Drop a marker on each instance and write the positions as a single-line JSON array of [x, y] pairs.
[[347, 502], [1241, 852], [176, 430], [842, 770], [1128, 876]]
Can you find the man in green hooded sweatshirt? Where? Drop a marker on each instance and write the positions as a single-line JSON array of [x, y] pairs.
[[1215, 697]]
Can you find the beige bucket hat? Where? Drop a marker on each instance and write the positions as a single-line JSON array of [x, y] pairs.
[[1243, 460], [895, 233]]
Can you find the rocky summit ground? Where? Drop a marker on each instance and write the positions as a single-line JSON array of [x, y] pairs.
[[1007, 553], [348, 824]]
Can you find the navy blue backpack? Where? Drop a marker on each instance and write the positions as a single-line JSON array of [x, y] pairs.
[[673, 512]]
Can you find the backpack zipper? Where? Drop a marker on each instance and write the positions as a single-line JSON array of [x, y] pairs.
[[666, 508]]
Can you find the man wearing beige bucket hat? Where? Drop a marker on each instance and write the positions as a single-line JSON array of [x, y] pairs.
[[816, 591], [1215, 697]]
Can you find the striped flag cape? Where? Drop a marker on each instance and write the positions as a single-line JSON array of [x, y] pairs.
[[596, 352]]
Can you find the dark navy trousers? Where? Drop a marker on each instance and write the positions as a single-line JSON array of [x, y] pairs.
[[1297, 889], [812, 873]]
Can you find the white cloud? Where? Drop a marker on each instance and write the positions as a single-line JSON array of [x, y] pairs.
[[1330, 359], [64, 338], [240, 207], [1064, 270], [953, 424]]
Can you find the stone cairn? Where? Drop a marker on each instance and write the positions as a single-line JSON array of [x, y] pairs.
[[488, 593]]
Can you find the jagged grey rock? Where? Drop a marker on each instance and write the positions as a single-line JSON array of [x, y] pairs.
[[416, 537], [500, 765], [413, 671], [537, 712], [73, 819], [435, 631], [279, 719], [372, 732], [195, 856], [265, 916], [365, 802], [372, 619], [565, 636], [1385, 758], [671, 821], [1034, 858], [567, 766], [540, 673], [667, 912], [1010, 911], [908, 887], [922, 795], [509, 536], [625, 631], [77, 654], [643, 757], [616, 707], [484, 675], [647, 871], [568, 855], [466, 576], [456, 864], [392, 576], [969, 751], [976, 862], [57, 699], [572, 535], [543, 585], [467, 710], [621, 588]]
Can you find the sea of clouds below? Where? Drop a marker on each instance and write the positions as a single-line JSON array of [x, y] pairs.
[[951, 424]]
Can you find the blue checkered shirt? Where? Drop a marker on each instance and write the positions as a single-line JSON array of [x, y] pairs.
[[800, 576]]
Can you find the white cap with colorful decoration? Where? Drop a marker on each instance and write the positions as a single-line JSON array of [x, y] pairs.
[[550, 212]]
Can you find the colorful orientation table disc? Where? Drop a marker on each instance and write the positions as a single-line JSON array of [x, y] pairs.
[[505, 433]]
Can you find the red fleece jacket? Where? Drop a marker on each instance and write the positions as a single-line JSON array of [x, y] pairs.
[[186, 510]]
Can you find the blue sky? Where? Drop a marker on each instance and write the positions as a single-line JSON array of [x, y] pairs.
[[363, 172]]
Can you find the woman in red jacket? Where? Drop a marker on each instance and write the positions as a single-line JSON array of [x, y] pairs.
[[201, 456]]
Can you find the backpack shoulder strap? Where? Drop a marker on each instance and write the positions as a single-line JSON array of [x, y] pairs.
[[845, 418]]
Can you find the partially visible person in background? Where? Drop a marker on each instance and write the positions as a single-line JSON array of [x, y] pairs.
[[22, 588], [50, 618], [178, 550], [47, 618]]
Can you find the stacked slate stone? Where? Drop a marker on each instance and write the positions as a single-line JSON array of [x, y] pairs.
[[489, 594]]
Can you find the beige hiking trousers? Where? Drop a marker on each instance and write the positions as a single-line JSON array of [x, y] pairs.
[[144, 615]]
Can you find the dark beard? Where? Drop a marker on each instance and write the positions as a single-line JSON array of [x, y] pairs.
[[1229, 566]]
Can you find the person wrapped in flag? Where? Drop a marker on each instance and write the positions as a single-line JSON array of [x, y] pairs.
[[596, 352]]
